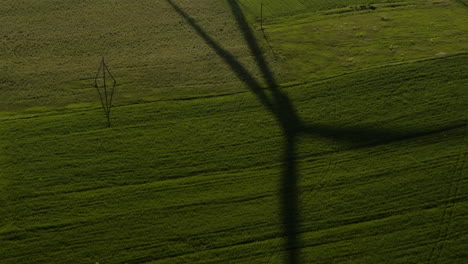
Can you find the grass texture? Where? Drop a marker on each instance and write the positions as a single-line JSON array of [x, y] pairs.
[[338, 134]]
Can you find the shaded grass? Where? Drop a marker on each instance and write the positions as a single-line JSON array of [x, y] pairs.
[[196, 181], [463, 2]]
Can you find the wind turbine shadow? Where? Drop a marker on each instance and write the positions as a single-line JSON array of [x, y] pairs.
[[279, 104]]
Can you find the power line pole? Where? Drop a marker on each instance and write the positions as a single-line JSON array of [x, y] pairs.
[[261, 15], [104, 95]]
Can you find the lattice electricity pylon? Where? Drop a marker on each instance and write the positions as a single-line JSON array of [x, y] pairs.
[[105, 93]]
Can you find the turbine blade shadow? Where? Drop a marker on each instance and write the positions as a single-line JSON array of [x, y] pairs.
[[279, 104]]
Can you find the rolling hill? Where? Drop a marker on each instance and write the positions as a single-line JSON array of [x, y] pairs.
[[230, 144]]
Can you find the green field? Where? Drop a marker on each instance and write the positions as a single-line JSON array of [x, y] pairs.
[[334, 42], [289, 7], [233, 145], [51, 51]]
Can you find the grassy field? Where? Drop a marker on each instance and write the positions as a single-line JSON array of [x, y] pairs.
[[289, 7], [50, 52], [326, 44], [198, 180], [228, 147]]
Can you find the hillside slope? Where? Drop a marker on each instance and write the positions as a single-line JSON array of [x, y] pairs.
[[381, 176], [230, 144]]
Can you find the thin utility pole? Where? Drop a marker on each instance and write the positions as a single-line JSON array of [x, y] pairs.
[[261, 15], [106, 100], [105, 92]]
